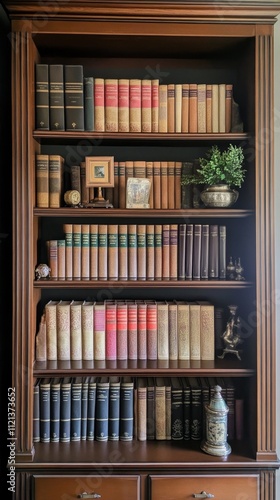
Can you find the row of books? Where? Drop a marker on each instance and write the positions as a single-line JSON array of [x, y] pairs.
[[139, 252], [68, 100], [126, 330], [122, 409]]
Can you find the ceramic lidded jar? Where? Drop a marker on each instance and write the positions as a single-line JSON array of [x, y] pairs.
[[216, 413]]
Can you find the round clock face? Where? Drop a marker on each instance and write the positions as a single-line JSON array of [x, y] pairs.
[[72, 197]]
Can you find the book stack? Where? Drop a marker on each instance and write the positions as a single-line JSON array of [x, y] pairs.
[[49, 181]]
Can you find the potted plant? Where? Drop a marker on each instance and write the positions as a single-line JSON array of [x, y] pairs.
[[219, 172]]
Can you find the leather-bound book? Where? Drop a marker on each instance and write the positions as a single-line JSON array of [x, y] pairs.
[[178, 108], [178, 175], [76, 409], [222, 252], [171, 183], [36, 412], [135, 105], [114, 409], [157, 184], [166, 252], [141, 409], [171, 108], [113, 252], [151, 329], [228, 107], [174, 252], [164, 184], [195, 350], [57, 115], [177, 410], [215, 108], [201, 108], [91, 408], [77, 251], [42, 95], [185, 107], [189, 251], [99, 331], [183, 330], [155, 105], [84, 408], [123, 105], [111, 105], [126, 411], [214, 251], [94, 252], [68, 231], [111, 330], [160, 409], [163, 330], [76, 330], [141, 252], [150, 409], [74, 97], [56, 185], [45, 409], [85, 252], [122, 330], [204, 251], [132, 251], [87, 312], [196, 409], [162, 112], [158, 252], [102, 252], [197, 251], [42, 181], [65, 410], [89, 102], [141, 329], [102, 409], [193, 117], [150, 228], [172, 330], [186, 408], [63, 330], [222, 107], [150, 176], [207, 331], [61, 260], [208, 108], [99, 105], [146, 105], [51, 329], [122, 184], [182, 252]]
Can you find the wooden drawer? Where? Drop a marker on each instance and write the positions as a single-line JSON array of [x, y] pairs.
[[225, 487], [71, 487]]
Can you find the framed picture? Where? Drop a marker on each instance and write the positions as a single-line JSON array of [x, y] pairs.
[[99, 171]]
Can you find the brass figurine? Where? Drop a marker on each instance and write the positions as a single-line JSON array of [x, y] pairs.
[[232, 334]]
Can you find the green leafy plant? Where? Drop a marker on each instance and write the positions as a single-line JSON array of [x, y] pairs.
[[219, 167]]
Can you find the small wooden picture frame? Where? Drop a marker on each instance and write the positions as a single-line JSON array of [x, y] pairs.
[[99, 171]]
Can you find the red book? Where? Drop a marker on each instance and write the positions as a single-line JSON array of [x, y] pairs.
[[111, 330], [132, 330], [155, 91], [135, 105], [142, 329], [123, 105], [146, 106], [99, 105], [111, 105], [99, 331], [151, 330], [121, 330]]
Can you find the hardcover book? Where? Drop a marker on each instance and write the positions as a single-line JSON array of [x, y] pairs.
[[56, 76], [177, 410], [123, 106], [42, 96], [114, 409], [126, 411], [111, 105], [65, 410], [102, 409], [42, 181], [76, 408], [89, 102], [76, 330], [74, 97], [45, 409]]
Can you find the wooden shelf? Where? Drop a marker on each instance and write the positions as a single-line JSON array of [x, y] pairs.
[[191, 213], [143, 284]]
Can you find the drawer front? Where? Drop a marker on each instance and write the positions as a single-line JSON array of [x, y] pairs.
[[73, 487], [225, 487]]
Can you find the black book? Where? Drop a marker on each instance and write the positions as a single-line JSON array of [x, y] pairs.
[[65, 410], [186, 408], [196, 251], [45, 408], [186, 191], [55, 410], [84, 413], [213, 252], [205, 251], [42, 96], [102, 409], [222, 253], [114, 409], [74, 96], [189, 251], [182, 251], [219, 329], [205, 399], [196, 409], [57, 121], [126, 411], [177, 410], [36, 412], [76, 409], [89, 102], [91, 408]]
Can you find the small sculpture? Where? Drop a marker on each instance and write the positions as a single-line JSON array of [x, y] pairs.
[[231, 336], [216, 413], [42, 271], [239, 270]]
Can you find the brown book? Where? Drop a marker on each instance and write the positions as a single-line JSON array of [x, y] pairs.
[[171, 108], [183, 330], [178, 108], [195, 332], [142, 409], [228, 107], [172, 330], [87, 330], [135, 105], [56, 163], [151, 329], [209, 109], [123, 252], [52, 258], [222, 107], [113, 252], [146, 105], [132, 252], [168, 407], [99, 105], [142, 329], [174, 252], [85, 252], [141, 252], [94, 251], [51, 329], [193, 109], [139, 169], [215, 108], [178, 175], [162, 332], [77, 251], [197, 251], [76, 330], [75, 175], [122, 184], [63, 330], [68, 231], [150, 252], [201, 108], [160, 410], [207, 331], [185, 107], [116, 185], [123, 105], [102, 252], [150, 176], [171, 184], [164, 184], [166, 252], [162, 111], [111, 105], [182, 251], [61, 260], [158, 252], [42, 181], [129, 172], [132, 330], [189, 251], [155, 105], [157, 185]]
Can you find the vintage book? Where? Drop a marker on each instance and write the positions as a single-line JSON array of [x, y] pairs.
[[171, 183], [131, 242], [182, 251], [42, 95], [164, 184], [87, 312], [183, 330], [204, 251], [228, 107], [186, 408], [222, 252], [177, 410], [205, 399], [114, 409], [110, 330], [45, 410], [141, 409], [126, 410], [65, 410], [155, 104], [84, 408], [63, 330], [151, 329], [141, 329], [102, 252], [168, 407], [160, 408], [85, 196], [158, 252], [76, 330], [99, 331], [139, 169], [122, 330], [75, 177], [219, 329], [157, 184], [230, 400], [135, 105], [36, 411], [150, 236], [51, 329], [102, 409], [178, 108], [189, 251], [85, 252], [61, 260], [141, 252], [150, 409], [222, 107], [213, 251], [41, 340], [150, 177], [89, 102], [77, 252], [99, 105], [193, 113], [173, 252], [91, 408], [132, 330], [76, 409], [116, 185], [186, 190], [162, 332], [208, 108], [68, 231], [56, 82], [177, 186], [215, 108], [123, 104], [94, 252], [52, 258], [42, 181], [172, 330], [185, 107], [74, 96], [171, 108], [197, 251], [195, 349], [162, 109], [201, 108], [122, 184], [196, 409], [166, 252], [207, 331], [56, 163], [111, 105], [146, 105], [113, 251]]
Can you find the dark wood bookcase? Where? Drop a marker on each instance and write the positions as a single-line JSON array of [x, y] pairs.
[[174, 41]]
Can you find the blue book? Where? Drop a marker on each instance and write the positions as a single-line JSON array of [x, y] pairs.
[[36, 412], [102, 409], [126, 411], [91, 408], [114, 409], [89, 102], [65, 410], [76, 408], [84, 413], [45, 389], [55, 410]]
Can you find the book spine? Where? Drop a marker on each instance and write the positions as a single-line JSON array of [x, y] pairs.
[[63, 330], [102, 411], [126, 411], [85, 252], [84, 409], [155, 104], [84, 189], [76, 330], [135, 105], [201, 108], [182, 252], [132, 331], [185, 107], [116, 185], [187, 412], [157, 185], [150, 410], [52, 253], [213, 252], [172, 331], [56, 77], [207, 332], [177, 417], [193, 121], [150, 176], [222, 107], [41, 340], [111, 105], [123, 105], [142, 330], [162, 331], [164, 184], [189, 251], [122, 185], [171, 183], [195, 332], [158, 252], [99, 105], [99, 332], [222, 253], [197, 251], [150, 252], [114, 411], [36, 412], [77, 251], [65, 411], [171, 108], [132, 252], [102, 252], [75, 176], [228, 107], [45, 408], [42, 95], [151, 330], [94, 252], [91, 409], [111, 331], [215, 108], [139, 169], [160, 413], [174, 252], [89, 102], [51, 330], [166, 252], [168, 409], [42, 181], [178, 108], [146, 105], [178, 176], [55, 180], [122, 328], [208, 109], [196, 413], [123, 252], [87, 331], [142, 413], [76, 409], [186, 190], [162, 110], [113, 260], [61, 260], [74, 97], [141, 252], [183, 328], [205, 251]]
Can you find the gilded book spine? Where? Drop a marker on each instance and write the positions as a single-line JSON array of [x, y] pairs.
[[76, 330], [68, 231], [146, 106], [51, 330], [87, 331]]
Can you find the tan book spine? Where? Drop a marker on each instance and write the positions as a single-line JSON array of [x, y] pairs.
[[183, 328], [150, 252], [76, 330], [99, 332], [132, 252], [77, 251], [150, 176], [123, 251], [157, 185], [41, 340], [42, 181], [68, 231], [94, 252], [158, 252], [135, 105], [171, 108], [222, 108], [215, 108], [111, 105], [178, 108], [85, 251], [201, 108], [141, 409], [162, 330], [102, 252], [228, 106], [129, 172], [87, 331], [51, 329], [173, 252], [164, 183], [185, 107], [168, 408], [172, 330], [85, 197], [193, 109], [141, 252], [56, 163], [61, 260], [195, 332], [63, 330], [123, 105], [53, 263], [162, 111], [146, 105], [178, 187], [171, 184], [113, 252], [155, 104], [122, 184], [99, 105], [207, 331], [139, 169], [160, 410], [209, 109], [116, 185]]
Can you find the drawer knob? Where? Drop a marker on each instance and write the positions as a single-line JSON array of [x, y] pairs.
[[89, 495], [203, 494]]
